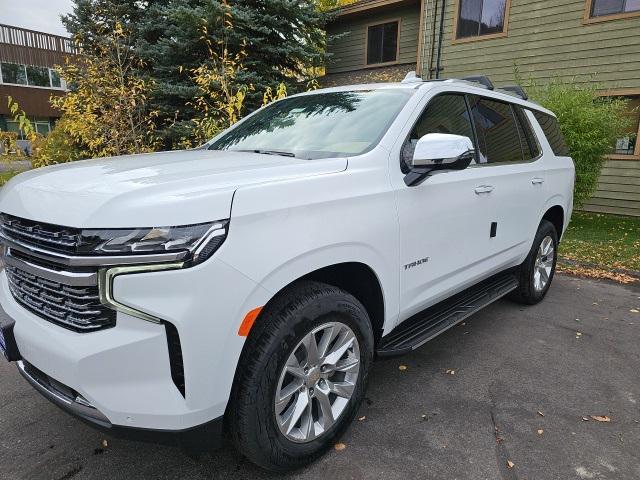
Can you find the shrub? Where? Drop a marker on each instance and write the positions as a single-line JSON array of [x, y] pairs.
[[590, 123]]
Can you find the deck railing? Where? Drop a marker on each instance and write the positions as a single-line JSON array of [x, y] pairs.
[[20, 45]]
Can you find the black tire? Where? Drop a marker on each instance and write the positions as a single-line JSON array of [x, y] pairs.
[[526, 293], [285, 321]]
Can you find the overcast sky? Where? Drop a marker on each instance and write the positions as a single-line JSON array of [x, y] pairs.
[[40, 15]]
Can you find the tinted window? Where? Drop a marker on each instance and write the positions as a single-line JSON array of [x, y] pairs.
[[551, 130], [530, 147], [382, 43], [600, 8], [497, 131], [444, 114], [38, 76], [13, 73], [321, 125], [480, 17]]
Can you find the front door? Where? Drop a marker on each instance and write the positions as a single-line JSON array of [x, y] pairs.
[[445, 221]]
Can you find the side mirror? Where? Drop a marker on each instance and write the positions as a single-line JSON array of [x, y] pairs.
[[442, 151], [439, 151]]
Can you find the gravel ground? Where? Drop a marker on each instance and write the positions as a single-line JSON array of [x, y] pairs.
[[523, 381]]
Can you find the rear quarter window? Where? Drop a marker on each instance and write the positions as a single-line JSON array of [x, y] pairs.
[[551, 129]]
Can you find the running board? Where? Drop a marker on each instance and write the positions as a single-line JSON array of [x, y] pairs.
[[421, 328]]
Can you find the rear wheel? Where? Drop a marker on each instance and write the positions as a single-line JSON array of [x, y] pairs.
[[301, 377], [536, 272]]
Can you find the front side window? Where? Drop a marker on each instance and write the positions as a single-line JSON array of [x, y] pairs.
[[478, 18], [497, 131], [382, 43], [318, 125], [444, 114], [603, 8]]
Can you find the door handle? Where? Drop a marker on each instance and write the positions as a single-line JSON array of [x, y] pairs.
[[537, 181], [484, 189]]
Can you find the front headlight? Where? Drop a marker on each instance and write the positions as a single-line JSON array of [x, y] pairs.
[[199, 240]]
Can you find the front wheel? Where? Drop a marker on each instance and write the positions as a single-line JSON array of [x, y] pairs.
[[301, 377], [536, 272]]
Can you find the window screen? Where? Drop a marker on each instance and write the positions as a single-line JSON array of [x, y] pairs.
[[481, 17], [497, 131], [551, 129], [600, 8], [382, 43], [444, 114]]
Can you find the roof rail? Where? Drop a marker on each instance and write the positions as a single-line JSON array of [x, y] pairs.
[[481, 79], [411, 77], [516, 90]]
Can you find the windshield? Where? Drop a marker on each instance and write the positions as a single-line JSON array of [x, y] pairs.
[[323, 125]]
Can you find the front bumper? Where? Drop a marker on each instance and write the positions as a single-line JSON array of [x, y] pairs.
[[201, 438], [124, 372]]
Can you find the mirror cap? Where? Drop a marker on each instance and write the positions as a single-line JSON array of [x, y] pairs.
[[441, 149]]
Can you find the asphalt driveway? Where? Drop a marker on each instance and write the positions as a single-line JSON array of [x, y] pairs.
[[521, 387]]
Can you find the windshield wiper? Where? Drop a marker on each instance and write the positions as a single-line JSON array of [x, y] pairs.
[[269, 152]]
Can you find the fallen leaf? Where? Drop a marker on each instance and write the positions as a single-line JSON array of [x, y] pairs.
[[578, 334], [540, 413], [105, 444], [340, 446], [510, 464], [585, 419], [540, 431], [600, 418], [634, 310], [402, 368], [362, 418], [450, 371]]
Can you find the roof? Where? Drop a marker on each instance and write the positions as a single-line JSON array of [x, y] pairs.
[[365, 5]]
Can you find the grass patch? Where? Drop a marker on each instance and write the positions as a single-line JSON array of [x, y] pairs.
[[605, 241], [6, 176]]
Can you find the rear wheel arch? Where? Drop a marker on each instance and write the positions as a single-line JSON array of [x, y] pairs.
[[555, 215]]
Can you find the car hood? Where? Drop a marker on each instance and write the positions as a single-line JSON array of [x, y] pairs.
[[156, 189]]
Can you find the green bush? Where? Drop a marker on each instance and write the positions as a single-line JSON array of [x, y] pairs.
[[589, 122]]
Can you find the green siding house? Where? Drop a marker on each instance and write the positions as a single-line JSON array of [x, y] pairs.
[[586, 40]]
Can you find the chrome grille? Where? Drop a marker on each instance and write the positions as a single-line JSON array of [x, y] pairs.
[[75, 307], [43, 235]]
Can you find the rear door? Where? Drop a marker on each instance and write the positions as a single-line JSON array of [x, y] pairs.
[[510, 155]]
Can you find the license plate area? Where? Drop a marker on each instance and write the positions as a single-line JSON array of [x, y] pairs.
[[8, 345]]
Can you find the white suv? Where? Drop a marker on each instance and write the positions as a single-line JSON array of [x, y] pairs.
[[247, 286]]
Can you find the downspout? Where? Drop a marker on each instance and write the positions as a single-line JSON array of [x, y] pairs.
[[440, 38]]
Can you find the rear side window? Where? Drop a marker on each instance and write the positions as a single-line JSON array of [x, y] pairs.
[[530, 146], [551, 130], [497, 131]]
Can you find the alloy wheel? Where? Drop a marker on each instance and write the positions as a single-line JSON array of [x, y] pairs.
[[317, 382]]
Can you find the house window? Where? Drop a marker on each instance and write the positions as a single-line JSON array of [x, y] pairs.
[[627, 144], [18, 74], [13, 73], [480, 18], [603, 8], [382, 43]]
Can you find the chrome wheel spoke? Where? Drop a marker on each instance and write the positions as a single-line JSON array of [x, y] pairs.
[[311, 347], [347, 365], [296, 411], [325, 408], [344, 343], [342, 389]]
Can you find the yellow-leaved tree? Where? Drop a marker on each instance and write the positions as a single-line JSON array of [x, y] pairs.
[[105, 113]]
